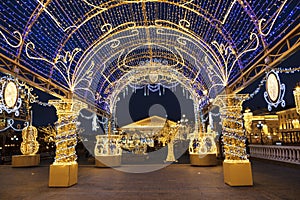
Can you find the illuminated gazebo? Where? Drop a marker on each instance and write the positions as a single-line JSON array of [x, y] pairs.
[[88, 52]]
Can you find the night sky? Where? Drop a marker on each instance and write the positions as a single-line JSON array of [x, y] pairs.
[[135, 106]]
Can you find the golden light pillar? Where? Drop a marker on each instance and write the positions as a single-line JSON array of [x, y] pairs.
[[64, 170], [297, 98], [236, 166]]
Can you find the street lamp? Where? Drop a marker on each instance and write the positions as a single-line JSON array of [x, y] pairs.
[[297, 97], [184, 122], [248, 117], [260, 126]]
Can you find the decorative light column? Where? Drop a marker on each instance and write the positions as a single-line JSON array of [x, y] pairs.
[[297, 98], [64, 170], [236, 166]]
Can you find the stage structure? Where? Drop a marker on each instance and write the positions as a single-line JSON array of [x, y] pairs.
[[88, 52]]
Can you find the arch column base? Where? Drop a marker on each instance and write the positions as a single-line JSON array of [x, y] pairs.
[[63, 175], [237, 173]]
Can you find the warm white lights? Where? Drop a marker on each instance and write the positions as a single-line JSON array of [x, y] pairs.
[[297, 98]]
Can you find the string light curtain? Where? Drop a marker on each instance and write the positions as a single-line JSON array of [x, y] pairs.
[[233, 34]]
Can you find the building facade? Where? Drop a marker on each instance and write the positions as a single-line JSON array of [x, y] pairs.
[[289, 127]]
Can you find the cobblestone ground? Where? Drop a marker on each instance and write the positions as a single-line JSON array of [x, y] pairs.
[[178, 181]]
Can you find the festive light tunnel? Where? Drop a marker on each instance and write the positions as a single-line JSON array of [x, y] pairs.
[[93, 49]]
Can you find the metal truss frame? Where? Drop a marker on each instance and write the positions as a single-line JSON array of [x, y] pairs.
[[10, 66], [273, 57]]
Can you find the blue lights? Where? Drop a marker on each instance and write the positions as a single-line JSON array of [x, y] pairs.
[[62, 26]]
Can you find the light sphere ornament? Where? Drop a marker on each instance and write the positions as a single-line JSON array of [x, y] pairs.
[[29, 146]]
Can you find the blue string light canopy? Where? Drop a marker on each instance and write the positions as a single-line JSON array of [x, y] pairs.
[[210, 42]]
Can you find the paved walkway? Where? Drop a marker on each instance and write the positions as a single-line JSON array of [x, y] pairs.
[[178, 181]]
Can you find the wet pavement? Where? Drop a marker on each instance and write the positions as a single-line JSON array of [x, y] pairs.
[[177, 181]]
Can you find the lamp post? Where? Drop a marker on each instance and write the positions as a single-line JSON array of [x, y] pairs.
[[248, 117], [297, 98], [260, 126], [184, 122]]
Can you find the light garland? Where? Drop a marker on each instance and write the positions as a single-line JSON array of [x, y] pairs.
[[214, 114], [287, 70], [45, 104], [10, 123], [257, 90]]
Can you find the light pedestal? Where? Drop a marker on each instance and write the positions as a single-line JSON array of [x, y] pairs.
[[63, 175], [237, 173], [203, 160], [108, 161], [25, 160]]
